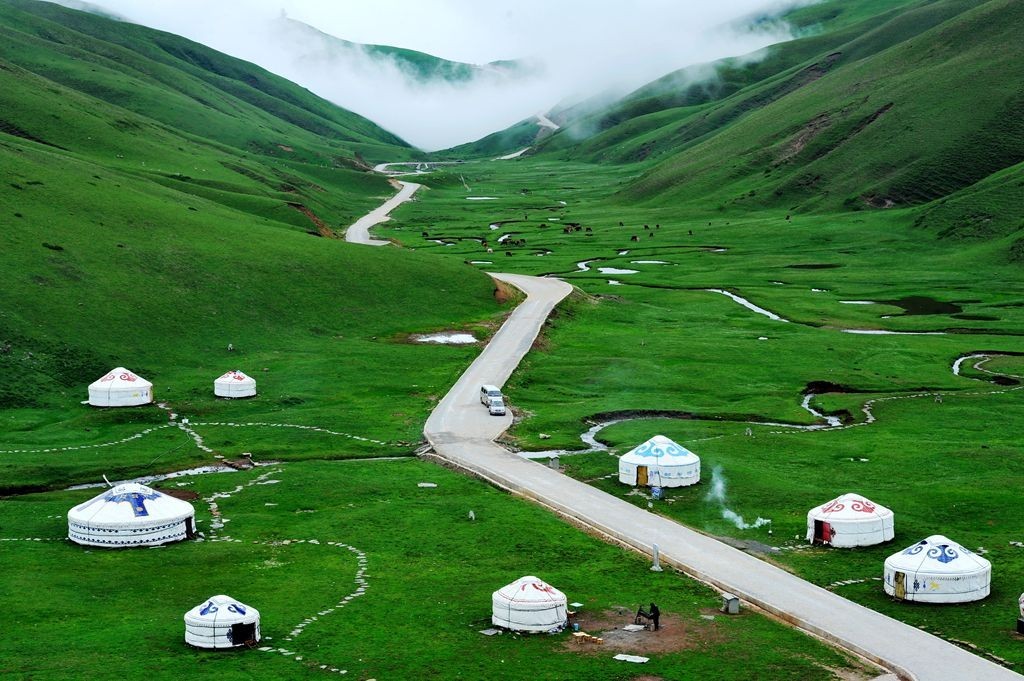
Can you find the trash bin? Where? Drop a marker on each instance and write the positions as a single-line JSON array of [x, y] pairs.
[[730, 604], [575, 626], [656, 493]]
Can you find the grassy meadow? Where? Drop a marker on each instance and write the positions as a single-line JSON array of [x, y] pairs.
[[429, 576]]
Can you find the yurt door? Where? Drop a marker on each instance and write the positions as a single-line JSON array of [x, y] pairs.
[[243, 633], [641, 475], [190, 529], [901, 585], [822, 532]]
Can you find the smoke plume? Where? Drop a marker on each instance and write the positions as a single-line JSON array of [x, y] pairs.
[[717, 494]]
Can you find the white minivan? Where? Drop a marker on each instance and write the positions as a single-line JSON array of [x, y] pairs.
[[488, 393]]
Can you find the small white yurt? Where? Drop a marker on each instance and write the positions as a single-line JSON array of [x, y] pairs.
[[659, 462], [850, 520], [131, 515], [937, 570], [528, 604], [234, 384], [120, 388], [222, 622]]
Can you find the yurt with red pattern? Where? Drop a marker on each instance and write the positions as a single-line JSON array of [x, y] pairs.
[[850, 520]]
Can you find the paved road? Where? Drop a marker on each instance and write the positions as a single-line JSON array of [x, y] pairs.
[[462, 433], [359, 232]]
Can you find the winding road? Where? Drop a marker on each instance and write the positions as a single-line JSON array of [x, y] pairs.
[[462, 434], [359, 232]]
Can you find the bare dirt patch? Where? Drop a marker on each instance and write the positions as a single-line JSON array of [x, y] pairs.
[[183, 494], [676, 633]]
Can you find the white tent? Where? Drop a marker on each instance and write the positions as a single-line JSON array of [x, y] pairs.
[[120, 388], [937, 570], [850, 520], [221, 622], [528, 604], [659, 462], [131, 515], [234, 384]]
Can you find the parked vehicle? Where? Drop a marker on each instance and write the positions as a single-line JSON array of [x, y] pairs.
[[488, 393], [496, 407]]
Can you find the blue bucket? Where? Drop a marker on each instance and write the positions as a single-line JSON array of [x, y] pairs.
[[575, 626], [656, 493]]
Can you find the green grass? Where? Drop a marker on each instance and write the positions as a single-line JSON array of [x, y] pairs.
[[427, 597]]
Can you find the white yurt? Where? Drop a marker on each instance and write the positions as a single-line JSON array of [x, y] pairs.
[[659, 462], [528, 604], [234, 384], [850, 520], [937, 570], [222, 622], [120, 388], [131, 515]]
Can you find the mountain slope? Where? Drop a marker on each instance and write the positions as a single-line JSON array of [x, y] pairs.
[[159, 201], [908, 124]]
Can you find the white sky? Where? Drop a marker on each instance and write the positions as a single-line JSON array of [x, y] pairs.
[[586, 46]]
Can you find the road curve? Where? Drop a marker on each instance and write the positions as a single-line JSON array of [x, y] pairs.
[[359, 231], [462, 433]]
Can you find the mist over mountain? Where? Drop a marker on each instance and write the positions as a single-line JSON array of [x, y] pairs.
[[497, 65]]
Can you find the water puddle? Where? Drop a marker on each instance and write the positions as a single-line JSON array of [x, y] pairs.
[[446, 338], [747, 304], [613, 282], [146, 479], [615, 270], [650, 262], [858, 302], [480, 262], [623, 252], [481, 198], [584, 265]]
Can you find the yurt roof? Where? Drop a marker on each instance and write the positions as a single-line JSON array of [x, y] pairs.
[[236, 377], [130, 504], [850, 507], [937, 554], [120, 377], [530, 589], [664, 450], [221, 608]]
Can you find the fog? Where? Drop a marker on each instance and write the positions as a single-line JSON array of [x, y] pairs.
[[571, 48]]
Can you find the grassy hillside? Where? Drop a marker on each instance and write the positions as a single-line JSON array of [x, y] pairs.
[[900, 115], [417, 66], [161, 201]]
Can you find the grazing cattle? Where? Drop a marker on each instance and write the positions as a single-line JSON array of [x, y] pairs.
[[657, 226], [426, 234], [620, 224], [691, 232], [577, 227], [589, 229], [647, 226], [490, 250], [651, 234], [634, 238], [509, 253]]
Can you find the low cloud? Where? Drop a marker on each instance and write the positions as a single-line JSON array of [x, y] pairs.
[[573, 49]]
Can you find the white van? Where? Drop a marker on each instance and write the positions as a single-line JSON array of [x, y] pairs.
[[488, 393]]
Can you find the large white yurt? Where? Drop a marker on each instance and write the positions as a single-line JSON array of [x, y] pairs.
[[659, 462], [937, 570], [131, 515], [528, 604], [222, 622], [120, 388], [850, 520], [234, 384]]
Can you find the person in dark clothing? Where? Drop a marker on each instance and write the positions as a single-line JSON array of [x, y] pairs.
[[655, 614]]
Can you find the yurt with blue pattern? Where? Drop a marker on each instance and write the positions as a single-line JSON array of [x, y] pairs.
[[130, 515], [937, 570], [222, 622], [659, 462]]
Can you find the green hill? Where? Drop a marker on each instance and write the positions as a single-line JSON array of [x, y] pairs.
[[159, 201], [418, 66]]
